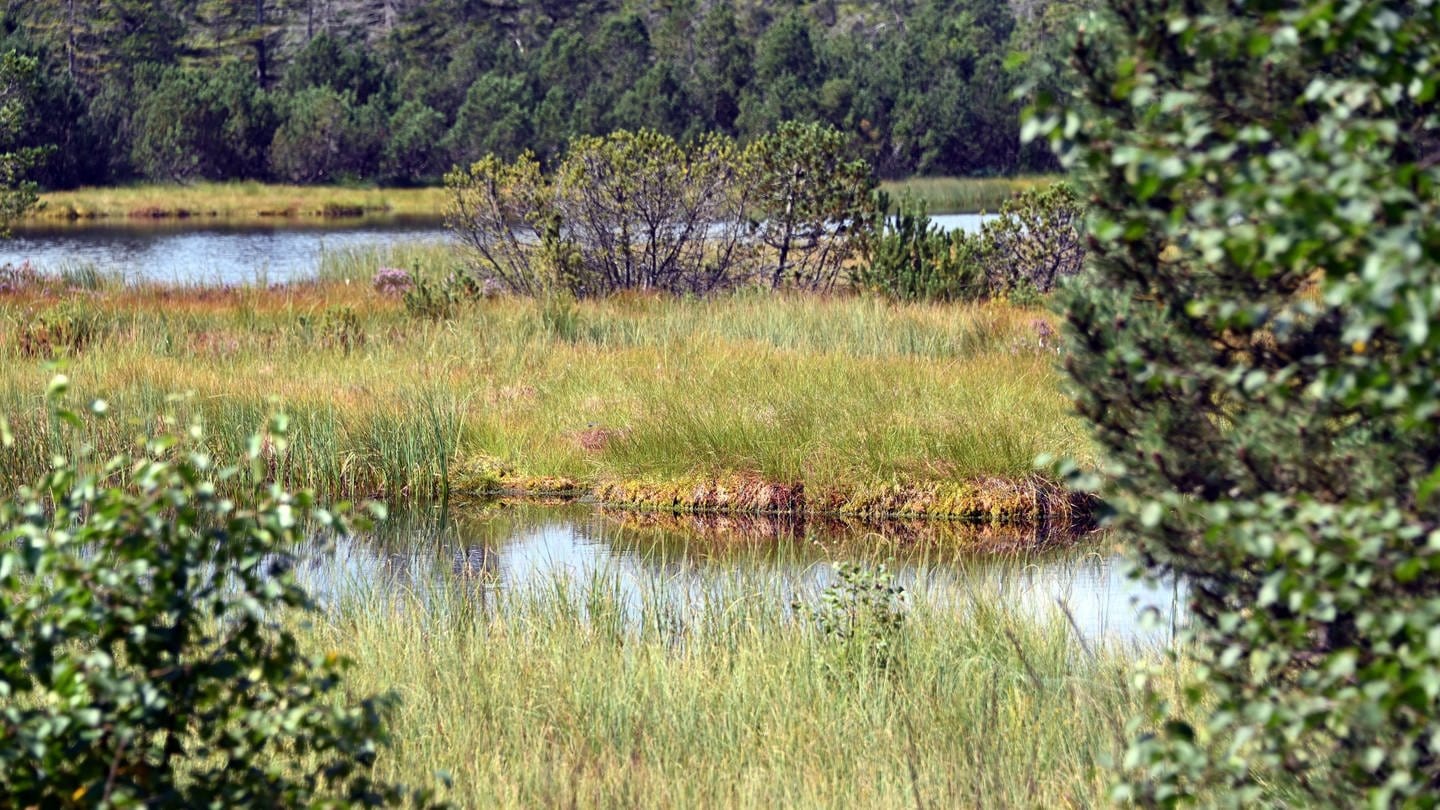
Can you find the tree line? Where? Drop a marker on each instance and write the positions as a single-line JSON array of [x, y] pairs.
[[399, 91]]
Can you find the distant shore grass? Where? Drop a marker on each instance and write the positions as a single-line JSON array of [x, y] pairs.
[[848, 400], [237, 202], [250, 201], [571, 693], [965, 195]]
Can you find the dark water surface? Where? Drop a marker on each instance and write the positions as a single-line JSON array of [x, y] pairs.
[[518, 547], [240, 253]]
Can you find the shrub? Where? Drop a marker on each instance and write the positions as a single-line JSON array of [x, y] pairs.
[[504, 217], [66, 329], [912, 259], [860, 617], [636, 211], [1256, 343], [1022, 253], [146, 655], [811, 206], [1034, 242], [646, 214], [437, 300], [341, 329]]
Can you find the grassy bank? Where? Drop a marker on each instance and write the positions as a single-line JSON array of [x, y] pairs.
[[237, 202], [846, 400], [553, 697], [260, 201], [964, 195]]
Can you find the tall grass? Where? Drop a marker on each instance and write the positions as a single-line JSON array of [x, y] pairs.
[[833, 393], [253, 200], [567, 694], [359, 264], [964, 195], [237, 201]]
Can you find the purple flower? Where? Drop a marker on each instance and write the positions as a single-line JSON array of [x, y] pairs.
[[14, 279], [392, 281]]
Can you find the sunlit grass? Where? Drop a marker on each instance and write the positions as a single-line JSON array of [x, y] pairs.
[[570, 693], [965, 195], [249, 200], [237, 201], [835, 393]]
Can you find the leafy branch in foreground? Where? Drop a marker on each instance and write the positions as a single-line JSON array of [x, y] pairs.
[[146, 655], [1255, 343]]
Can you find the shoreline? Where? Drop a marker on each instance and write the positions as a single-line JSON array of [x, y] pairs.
[[255, 203], [735, 404], [1032, 503]]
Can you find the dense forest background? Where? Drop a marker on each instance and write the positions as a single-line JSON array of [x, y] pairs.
[[398, 91]]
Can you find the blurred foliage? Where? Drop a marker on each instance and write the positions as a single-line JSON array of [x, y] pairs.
[[1255, 343], [147, 650]]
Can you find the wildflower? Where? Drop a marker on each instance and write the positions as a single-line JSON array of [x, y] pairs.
[[392, 281], [14, 279]]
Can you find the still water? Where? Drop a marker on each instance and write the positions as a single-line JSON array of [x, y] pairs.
[[248, 253], [517, 547], [206, 254]]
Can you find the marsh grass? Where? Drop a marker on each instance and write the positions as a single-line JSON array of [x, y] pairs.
[[238, 201], [358, 265], [262, 201], [833, 393], [569, 693], [964, 195]]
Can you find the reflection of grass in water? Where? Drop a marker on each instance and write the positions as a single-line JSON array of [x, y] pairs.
[[547, 697], [724, 534], [419, 549], [835, 393]]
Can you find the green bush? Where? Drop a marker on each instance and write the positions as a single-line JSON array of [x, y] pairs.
[[912, 259], [860, 617], [637, 211], [811, 206], [1034, 242], [66, 329], [644, 213], [494, 208], [1256, 343], [146, 650]]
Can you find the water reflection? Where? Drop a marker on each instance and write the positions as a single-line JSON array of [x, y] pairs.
[[187, 251], [519, 547], [184, 252]]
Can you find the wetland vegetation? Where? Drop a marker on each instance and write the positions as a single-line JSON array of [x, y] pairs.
[[251, 201], [677, 294], [632, 393], [548, 696]]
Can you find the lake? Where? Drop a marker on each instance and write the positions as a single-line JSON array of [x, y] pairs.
[[183, 251], [528, 546], [230, 253]]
